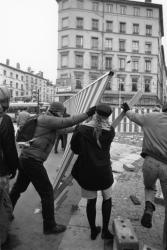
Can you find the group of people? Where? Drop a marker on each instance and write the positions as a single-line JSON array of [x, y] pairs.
[[91, 141]]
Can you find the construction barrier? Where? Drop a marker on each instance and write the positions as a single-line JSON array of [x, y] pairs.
[[127, 126]]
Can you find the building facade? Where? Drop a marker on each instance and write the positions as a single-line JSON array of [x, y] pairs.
[[96, 36], [26, 85]]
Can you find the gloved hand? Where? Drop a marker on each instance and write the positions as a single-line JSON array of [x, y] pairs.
[[12, 174], [125, 107], [91, 111]]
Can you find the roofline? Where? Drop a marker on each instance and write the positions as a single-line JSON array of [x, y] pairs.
[[22, 71], [145, 4]]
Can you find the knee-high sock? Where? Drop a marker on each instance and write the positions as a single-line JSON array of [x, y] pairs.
[[106, 212], [91, 213]]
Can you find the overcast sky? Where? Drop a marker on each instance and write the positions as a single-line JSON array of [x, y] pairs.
[[29, 30]]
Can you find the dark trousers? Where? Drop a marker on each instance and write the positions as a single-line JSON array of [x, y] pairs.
[[33, 171]]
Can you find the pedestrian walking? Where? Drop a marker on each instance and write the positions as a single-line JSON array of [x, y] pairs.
[[61, 137], [92, 170], [33, 157], [9, 163], [154, 152]]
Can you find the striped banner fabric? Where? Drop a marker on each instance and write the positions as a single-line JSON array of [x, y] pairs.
[[79, 103]]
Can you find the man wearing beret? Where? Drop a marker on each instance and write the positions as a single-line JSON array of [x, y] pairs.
[[154, 152], [32, 159]]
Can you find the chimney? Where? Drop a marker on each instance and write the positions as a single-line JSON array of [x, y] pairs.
[[7, 62], [18, 65], [29, 69], [148, 1], [41, 74]]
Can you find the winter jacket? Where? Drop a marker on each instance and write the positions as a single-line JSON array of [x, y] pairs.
[[154, 127], [9, 161], [47, 128], [92, 169]]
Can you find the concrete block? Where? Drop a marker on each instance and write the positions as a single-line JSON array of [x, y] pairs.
[[129, 167], [125, 237], [117, 167], [146, 247]]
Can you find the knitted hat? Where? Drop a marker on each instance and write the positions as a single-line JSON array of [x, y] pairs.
[[4, 96], [56, 107], [103, 110]]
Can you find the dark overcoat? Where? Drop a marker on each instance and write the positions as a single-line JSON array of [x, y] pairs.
[[92, 170]]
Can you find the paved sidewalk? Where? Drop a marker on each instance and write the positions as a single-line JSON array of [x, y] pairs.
[[27, 228], [77, 237]]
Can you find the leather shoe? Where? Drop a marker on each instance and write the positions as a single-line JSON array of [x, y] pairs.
[[58, 228]]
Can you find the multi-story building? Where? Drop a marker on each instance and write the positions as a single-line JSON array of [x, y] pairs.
[[24, 85], [96, 36]]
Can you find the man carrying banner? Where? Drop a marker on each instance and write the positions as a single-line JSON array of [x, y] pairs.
[[32, 159], [154, 152]]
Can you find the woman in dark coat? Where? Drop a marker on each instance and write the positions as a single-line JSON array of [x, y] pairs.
[[92, 170]]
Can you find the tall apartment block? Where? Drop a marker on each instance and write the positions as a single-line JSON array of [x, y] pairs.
[[96, 36]]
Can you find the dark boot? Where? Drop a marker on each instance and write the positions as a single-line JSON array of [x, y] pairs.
[[146, 219], [54, 229]]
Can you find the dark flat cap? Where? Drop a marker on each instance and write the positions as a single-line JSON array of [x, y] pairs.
[[103, 110]]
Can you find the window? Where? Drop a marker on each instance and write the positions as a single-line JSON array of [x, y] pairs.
[[123, 10], [135, 46], [108, 44], [4, 82], [148, 47], [122, 64], [22, 78], [122, 27], [79, 41], [79, 23], [94, 42], [95, 24], [149, 12], [121, 83], [80, 4], [11, 84], [135, 28], [11, 74], [147, 83], [64, 4], [79, 61], [95, 6], [122, 45], [16, 93], [4, 72], [108, 7], [136, 11], [108, 63], [135, 65], [64, 61], [64, 41], [148, 65], [17, 76], [64, 22], [148, 30], [78, 84], [109, 26], [134, 84], [94, 62], [16, 85]]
